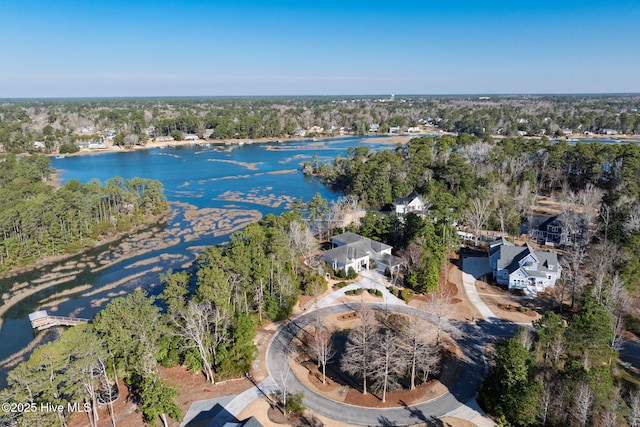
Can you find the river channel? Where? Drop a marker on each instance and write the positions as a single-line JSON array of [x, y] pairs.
[[213, 190]]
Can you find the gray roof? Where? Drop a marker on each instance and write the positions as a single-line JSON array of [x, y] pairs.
[[408, 199], [252, 422], [363, 243], [344, 254], [510, 257], [390, 260]]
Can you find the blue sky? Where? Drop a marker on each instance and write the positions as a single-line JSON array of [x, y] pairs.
[[65, 48]]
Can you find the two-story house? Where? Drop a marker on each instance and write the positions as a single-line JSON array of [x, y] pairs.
[[522, 267], [555, 231], [412, 203], [350, 250]]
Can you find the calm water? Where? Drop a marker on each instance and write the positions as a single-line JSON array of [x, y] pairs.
[[197, 175]]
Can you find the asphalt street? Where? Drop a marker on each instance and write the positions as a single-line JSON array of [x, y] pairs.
[[471, 341]]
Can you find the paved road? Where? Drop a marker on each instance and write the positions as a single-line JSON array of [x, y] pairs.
[[471, 343]]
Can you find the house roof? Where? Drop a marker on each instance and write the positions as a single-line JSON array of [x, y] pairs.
[[361, 242], [406, 200], [390, 260], [344, 254], [510, 257], [542, 222]]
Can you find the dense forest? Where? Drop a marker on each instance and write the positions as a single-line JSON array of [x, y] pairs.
[[60, 125], [38, 219]]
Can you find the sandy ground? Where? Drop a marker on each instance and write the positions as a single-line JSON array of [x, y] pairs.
[[110, 148], [390, 139]]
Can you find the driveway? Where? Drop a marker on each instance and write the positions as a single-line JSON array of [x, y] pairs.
[[369, 279], [473, 268]]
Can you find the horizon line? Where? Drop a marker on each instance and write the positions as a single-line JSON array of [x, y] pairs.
[[478, 94]]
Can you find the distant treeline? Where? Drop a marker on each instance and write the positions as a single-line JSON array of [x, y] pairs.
[[55, 123]]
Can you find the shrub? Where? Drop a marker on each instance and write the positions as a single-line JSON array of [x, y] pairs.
[[340, 285], [69, 148], [313, 283], [523, 309], [372, 264], [387, 272], [352, 274], [406, 294]]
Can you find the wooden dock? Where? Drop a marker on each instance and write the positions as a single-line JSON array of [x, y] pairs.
[[41, 320]]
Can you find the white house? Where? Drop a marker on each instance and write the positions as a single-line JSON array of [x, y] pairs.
[[350, 250], [521, 267], [412, 203], [96, 145]]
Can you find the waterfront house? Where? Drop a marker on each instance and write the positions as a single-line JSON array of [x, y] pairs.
[[522, 267], [164, 138], [96, 145]]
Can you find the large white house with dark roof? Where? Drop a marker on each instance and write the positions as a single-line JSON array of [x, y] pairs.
[[522, 267], [350, 250]]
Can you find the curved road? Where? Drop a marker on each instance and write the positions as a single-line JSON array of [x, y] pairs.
[[471, 342]]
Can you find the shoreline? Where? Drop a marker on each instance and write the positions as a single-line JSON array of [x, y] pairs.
[[150, 144], [369, 138]]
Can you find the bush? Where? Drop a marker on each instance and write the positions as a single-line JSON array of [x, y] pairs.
[[523, 309], [352, 274], [69, 148], [387, 272], [340, 285], [375, 292], [354, 292], [372, 264], [313, 283], [341, 274], [406, 294]]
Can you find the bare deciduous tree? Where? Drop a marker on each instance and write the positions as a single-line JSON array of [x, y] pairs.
[[556, 350], [386, 364], [440, 305], [323, 347], [477, 215], [632, 223], [420, 348], [589, 200], [193, 324], [572, 261], [582, 401], [634, 408], [359, 351]]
